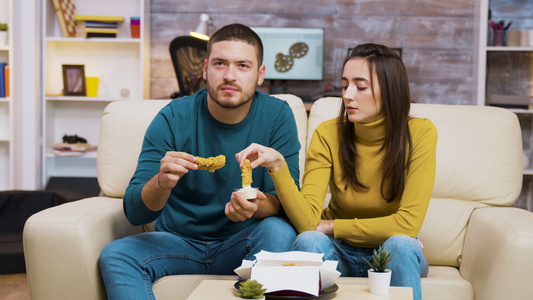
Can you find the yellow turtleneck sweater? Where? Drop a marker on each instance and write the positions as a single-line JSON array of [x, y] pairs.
[[363, 218]]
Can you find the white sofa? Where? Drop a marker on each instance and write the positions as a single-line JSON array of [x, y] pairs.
[[478, 247]]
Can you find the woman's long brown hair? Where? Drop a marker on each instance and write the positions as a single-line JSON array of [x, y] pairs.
[[394, 84]]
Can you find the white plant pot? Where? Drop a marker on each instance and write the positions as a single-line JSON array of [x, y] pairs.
[[379, 282], [3, 38]]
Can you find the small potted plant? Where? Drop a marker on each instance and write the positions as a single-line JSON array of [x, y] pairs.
[[251, 289], [378, 274], [3, 33]]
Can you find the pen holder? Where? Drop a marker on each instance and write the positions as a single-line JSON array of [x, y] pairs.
[[135, 27], [498, 38]]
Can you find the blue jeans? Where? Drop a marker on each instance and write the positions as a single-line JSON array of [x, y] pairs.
[[408, 263], [130, 265]]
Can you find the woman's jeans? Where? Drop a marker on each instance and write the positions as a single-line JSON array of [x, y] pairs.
[[130, 265], [408, 262]]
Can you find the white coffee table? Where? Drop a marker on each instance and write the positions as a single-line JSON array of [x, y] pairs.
[[225, 290]]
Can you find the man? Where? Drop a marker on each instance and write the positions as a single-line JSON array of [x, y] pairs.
[[203, 226]]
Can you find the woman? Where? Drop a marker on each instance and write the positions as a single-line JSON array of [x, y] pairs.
[[379, 164]]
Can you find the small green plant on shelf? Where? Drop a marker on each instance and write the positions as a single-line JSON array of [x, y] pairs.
[[4, 27], [380, 260], [251, 289]]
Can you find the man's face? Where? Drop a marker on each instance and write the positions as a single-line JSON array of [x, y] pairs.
[[232, 73]]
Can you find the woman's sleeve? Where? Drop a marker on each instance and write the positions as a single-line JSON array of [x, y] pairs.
[[304, 207], [414, 201]]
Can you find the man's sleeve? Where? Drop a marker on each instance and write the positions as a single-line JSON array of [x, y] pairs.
[[157, 141]]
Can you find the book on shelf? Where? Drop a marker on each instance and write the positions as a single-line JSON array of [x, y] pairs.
[[97, 32], [2, 80], [82, 25], [99, 18], [97, 26], [66, 12], [101, 35], [6, 79]]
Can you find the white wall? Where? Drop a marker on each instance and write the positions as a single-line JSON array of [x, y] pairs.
[[26, 79]]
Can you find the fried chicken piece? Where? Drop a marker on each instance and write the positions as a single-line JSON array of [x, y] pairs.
[[211, 164], [246, 173]]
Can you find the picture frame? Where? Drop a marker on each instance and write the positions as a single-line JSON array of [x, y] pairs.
[[74, 80]]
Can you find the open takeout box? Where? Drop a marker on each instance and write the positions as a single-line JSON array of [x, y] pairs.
[[290, 273]]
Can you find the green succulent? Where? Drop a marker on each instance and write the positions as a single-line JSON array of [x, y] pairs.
[[381, 259], [251, 289], [3, 27]]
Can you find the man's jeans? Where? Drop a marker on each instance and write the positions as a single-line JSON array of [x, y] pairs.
[[130, 265], [408, 262]]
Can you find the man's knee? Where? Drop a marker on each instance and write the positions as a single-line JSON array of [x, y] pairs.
[[109, 254], [279, 227]]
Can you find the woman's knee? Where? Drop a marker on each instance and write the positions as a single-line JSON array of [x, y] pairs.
[[310, 241], [401, 244]]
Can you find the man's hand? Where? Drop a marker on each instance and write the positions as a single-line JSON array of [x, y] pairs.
[[240, 209], [173, 166], [260, 155]]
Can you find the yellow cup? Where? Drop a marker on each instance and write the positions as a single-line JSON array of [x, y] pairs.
[[92, 86]]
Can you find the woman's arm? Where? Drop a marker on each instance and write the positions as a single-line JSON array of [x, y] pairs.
[[302, 208]]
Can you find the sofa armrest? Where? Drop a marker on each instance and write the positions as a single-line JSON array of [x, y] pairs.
[[62, 246], [497, 253]]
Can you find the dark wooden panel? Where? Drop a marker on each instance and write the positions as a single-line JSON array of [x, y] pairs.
[[236, 7], [406, 7], [436, 36]]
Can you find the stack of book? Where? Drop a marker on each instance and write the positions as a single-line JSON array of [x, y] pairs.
[[97, 26], [4, 80]]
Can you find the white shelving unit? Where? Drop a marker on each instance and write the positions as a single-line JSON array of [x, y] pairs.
[[6, 103], [482, 15], [121, 63]]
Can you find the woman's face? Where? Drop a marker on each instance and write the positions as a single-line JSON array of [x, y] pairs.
[[362, 106]]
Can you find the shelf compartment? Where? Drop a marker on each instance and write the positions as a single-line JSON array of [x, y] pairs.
[[509, 49], [70, 166], [83, 99], [117, 65]]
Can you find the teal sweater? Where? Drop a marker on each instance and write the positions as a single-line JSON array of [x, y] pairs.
[[195, 208]]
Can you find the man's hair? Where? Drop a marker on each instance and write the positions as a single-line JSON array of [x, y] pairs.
[[240, 33]]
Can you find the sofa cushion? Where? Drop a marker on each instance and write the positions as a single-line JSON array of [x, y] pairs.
[[444, 229], [119, 142], [491, 176]]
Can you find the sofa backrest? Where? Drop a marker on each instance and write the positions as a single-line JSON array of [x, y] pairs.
[[121, 136], [479, 163], [122, 130]]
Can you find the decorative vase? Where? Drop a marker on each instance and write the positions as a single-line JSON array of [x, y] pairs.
[[379, 282], [3, 38]]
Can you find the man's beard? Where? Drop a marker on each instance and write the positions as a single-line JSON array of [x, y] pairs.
[[229, 105]]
